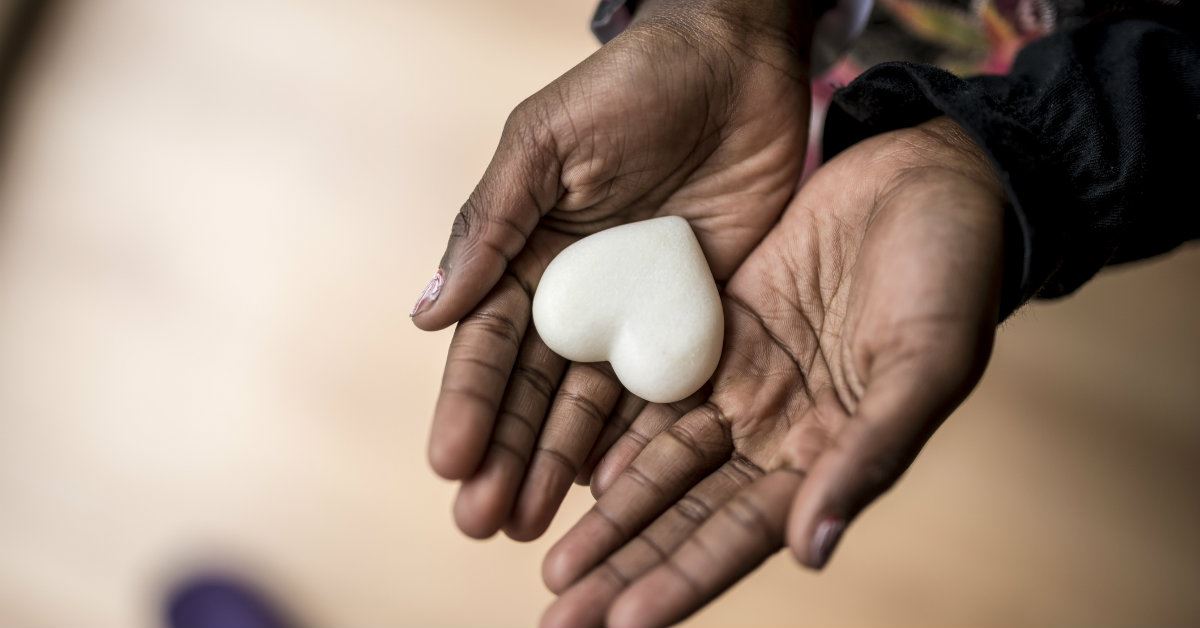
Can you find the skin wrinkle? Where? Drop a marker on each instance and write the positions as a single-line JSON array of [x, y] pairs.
[[658, 551], [654, 420], [502, 446], [746, 310], [589, 153], [498, 251], [748, 431], [680, 174], [557, 456], [682, 168], [517, 232], [856, 385], [827, 421], [565, 440], [530, 139], [530, 131], [497, 325], [539, 381], [611, 521], [576, 190], [817, 266], [528, 372], [819, 430], [698, 542], [638, 437], [683, 171], [615, 574], [682, 575], [818, 352], [519, 419], [585, 406], [474, 395], [693, 509], [499, 372], [640, 478], [707, 22], [525, 286], [620, 421], [749, 515], [745, 467]]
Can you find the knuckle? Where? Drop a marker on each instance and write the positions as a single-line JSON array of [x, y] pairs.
[[685, 440], [705, 439], [649, 543], [583, 405], [610, 571], [536, 380], [693, 509], [468, 216], [879, 473], [496, 325], [528, 127], [639, 478], [562, 458], [521, 115], [744, 470], [750, 516]]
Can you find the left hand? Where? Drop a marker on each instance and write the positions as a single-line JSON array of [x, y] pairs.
[[698, 110], [862, 320]]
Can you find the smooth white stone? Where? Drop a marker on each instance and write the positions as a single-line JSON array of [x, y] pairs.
[[640, 296]]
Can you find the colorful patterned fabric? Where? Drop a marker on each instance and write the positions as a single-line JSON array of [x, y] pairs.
[[966, 37]]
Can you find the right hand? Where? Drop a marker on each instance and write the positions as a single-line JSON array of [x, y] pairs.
[[862, 320], [700, 110]]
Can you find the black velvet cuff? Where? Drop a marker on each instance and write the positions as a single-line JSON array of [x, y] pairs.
[[1094, 135]]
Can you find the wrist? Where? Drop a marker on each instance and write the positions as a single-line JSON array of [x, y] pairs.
[[957, 151], [740, 21]]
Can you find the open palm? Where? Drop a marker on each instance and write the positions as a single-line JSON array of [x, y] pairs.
[[852, 331], [696, 111]]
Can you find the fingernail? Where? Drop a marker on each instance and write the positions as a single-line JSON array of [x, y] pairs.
[[825, 539], [430, 294]]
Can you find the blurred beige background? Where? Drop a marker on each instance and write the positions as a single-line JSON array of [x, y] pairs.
[[213, 218]]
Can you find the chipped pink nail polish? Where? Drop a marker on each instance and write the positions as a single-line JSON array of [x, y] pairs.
[[432, 291], [825, 539]]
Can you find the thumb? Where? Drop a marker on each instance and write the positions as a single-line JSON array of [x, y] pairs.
[[519, 186], [901, 406]]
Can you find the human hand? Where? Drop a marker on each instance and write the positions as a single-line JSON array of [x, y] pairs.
[[698, 110], [862, 320]]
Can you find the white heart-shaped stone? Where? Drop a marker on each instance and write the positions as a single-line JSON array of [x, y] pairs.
[[640, 296]]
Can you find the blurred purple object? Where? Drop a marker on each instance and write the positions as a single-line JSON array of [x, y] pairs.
[[220, 601]]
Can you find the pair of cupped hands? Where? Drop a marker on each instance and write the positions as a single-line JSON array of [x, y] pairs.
[[860, 310]]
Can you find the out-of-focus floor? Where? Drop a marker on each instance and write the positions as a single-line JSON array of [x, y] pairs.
[[213, 217]]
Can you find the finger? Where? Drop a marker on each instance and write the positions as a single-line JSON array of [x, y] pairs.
[[901, 406], [585, 603], [486, 498], [478, 365], [729, 545], [481, 357], [653, 420], [584, 401], [667, 468], [520, 185], [629, 406]]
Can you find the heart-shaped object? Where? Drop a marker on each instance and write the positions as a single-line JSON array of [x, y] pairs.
[[640, 296]]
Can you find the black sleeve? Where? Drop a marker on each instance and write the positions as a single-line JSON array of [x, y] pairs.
[[1095, 133]]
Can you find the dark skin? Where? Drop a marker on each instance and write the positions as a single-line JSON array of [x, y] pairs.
[[852, 331], [698, 110], [854, 323]]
